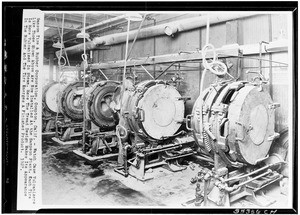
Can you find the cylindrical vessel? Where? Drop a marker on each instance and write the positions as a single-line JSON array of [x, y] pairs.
[[154, 111], [70, 101], [98, 98], [238, 118], [51, 93]]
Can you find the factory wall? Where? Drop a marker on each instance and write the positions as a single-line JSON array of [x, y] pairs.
[[249, 30]]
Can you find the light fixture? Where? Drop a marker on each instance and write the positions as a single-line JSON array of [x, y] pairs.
[[134, 17], [83, 35], [57, 45]]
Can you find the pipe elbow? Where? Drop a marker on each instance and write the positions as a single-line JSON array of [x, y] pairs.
[[127, 147]]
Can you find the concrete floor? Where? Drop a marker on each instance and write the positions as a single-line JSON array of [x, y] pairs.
[[69, 180]]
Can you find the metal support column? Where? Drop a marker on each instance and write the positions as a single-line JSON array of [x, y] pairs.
[[51, 63]]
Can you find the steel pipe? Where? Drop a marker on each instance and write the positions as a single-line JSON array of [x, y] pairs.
[[181, 25], [224, 51], [105, 22]]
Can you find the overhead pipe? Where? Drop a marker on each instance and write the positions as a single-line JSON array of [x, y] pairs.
[[105, 22], [110, 26], [227, 50], [232, 50], [274, 46], [176, 26]]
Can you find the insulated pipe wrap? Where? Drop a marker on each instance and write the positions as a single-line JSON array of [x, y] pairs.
[[181, 25]]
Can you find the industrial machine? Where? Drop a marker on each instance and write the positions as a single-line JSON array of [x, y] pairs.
[[100, 138], [233, 124], [70, 104], [150, 115], [51, 112]]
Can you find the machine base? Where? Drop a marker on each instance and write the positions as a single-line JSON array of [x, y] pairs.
[[166, 156], [70, 142], [49, 124], [50, 133], [260, 199], [188, 202], [80, 153], [145, 177], [144, 172], [222, 188], [174, 168], [69, 131]]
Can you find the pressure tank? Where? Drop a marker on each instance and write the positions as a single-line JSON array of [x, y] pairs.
[[98, 99], [51, 93], [238, 121], [71, 100], [154, 111]]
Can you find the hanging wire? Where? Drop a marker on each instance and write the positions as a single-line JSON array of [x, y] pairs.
[[202, 78], [209, 66], [126, 51], [254, 58], [133, 43], [59, 63], [61, 34], [84, 58], [207, 29], [103, 74]]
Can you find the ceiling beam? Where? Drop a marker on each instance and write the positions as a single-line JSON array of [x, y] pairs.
[[67, 25], [105, 22], [70, 36], [107, 28], [71, 17]]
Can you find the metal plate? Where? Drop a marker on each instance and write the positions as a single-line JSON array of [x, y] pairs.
[[258, 124], [163, 111], [251, 122]]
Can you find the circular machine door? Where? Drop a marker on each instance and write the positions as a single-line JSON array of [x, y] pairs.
[[99, 97], [161, 111], [71, 101], [251, 122], [51, 94]]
